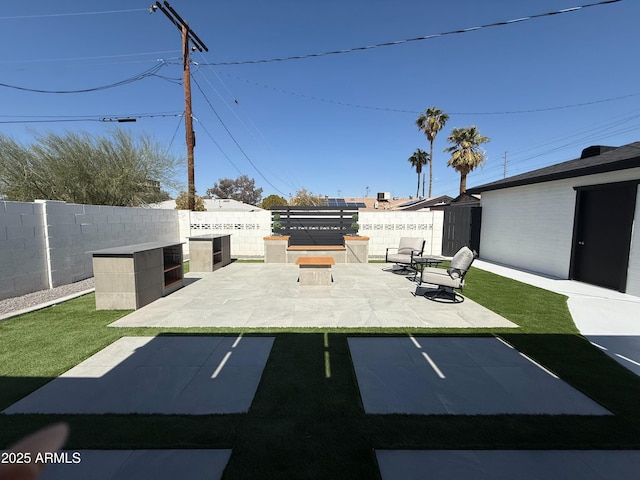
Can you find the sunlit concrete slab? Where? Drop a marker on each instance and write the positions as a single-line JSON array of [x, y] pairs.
[[625, 349], [139, 464], [507, 464], [166, 374], [244, 295], [458, 376]]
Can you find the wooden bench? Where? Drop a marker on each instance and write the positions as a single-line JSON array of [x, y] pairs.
[[315, 270]]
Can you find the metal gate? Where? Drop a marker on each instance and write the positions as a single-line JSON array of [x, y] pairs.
[[461, 228]]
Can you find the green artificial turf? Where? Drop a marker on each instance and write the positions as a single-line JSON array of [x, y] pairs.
[[307, 419]]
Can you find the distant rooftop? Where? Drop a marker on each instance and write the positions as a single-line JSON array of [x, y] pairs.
[[214, 205]]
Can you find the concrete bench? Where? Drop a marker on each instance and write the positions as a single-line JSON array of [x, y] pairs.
[[315, 270]]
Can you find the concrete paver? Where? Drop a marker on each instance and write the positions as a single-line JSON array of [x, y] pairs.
[[458, 376], [140, 464], [192, 375], [508, 464]]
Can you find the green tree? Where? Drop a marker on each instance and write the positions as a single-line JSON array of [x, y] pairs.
[[79, 168], [273, 201], [304, 198], [466, 153], [417, 160], [431, 122], [242, 189], [182, 202]]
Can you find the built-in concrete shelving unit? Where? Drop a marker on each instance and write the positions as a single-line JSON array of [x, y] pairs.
[[209, 252], [132, 276]]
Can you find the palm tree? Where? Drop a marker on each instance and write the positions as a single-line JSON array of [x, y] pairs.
[[431, 122], [466, 153], [417, 160]]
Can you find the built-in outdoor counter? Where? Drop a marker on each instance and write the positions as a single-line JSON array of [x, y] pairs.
[[209, 252], [132, 276]]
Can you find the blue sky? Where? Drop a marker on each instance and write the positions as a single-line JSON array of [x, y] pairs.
[[337, 125]]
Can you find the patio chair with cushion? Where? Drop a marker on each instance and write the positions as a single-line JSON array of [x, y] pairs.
[[406, 251], [450, 279]]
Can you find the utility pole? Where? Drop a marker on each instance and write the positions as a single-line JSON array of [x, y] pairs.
[[504, 173], [188, 35]]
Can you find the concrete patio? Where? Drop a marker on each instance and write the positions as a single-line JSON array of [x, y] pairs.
[[246, 295]]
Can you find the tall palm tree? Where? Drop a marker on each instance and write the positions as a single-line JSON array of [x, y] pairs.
[[431, 122], [466, 153], [417, 160]]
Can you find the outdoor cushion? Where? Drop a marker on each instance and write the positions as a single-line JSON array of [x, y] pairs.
[[440, 276], [454, 275], [410, 244]]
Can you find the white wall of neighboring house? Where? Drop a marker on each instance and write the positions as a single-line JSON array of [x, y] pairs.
[[531, 226]]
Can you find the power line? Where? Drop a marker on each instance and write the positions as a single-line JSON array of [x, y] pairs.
[[84, 118], [398, 110], [234, 139], [49, 15], [218, 145], [147, 73], [99, 57], [417, 39]]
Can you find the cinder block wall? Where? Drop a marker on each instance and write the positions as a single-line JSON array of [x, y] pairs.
[[44, 244], [384, 228], [23, 262], [73, 230], [247, 229]]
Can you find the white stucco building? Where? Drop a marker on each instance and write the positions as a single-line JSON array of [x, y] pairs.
[[573, 220]]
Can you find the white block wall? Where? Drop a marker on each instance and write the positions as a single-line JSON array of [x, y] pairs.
[[73, 230], [531, 227], [23, 263], [384, 229], [633, 272], [247, 229]]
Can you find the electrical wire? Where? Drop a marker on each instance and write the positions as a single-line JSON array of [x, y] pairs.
[[234, 139], [218, 145], [417, 39], [49, 15], [98, 57], [83, 118], [141, 76], [259, 138], [398, 110]]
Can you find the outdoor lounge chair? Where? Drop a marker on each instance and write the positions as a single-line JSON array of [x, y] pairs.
[[447, 280], [407, 250]]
